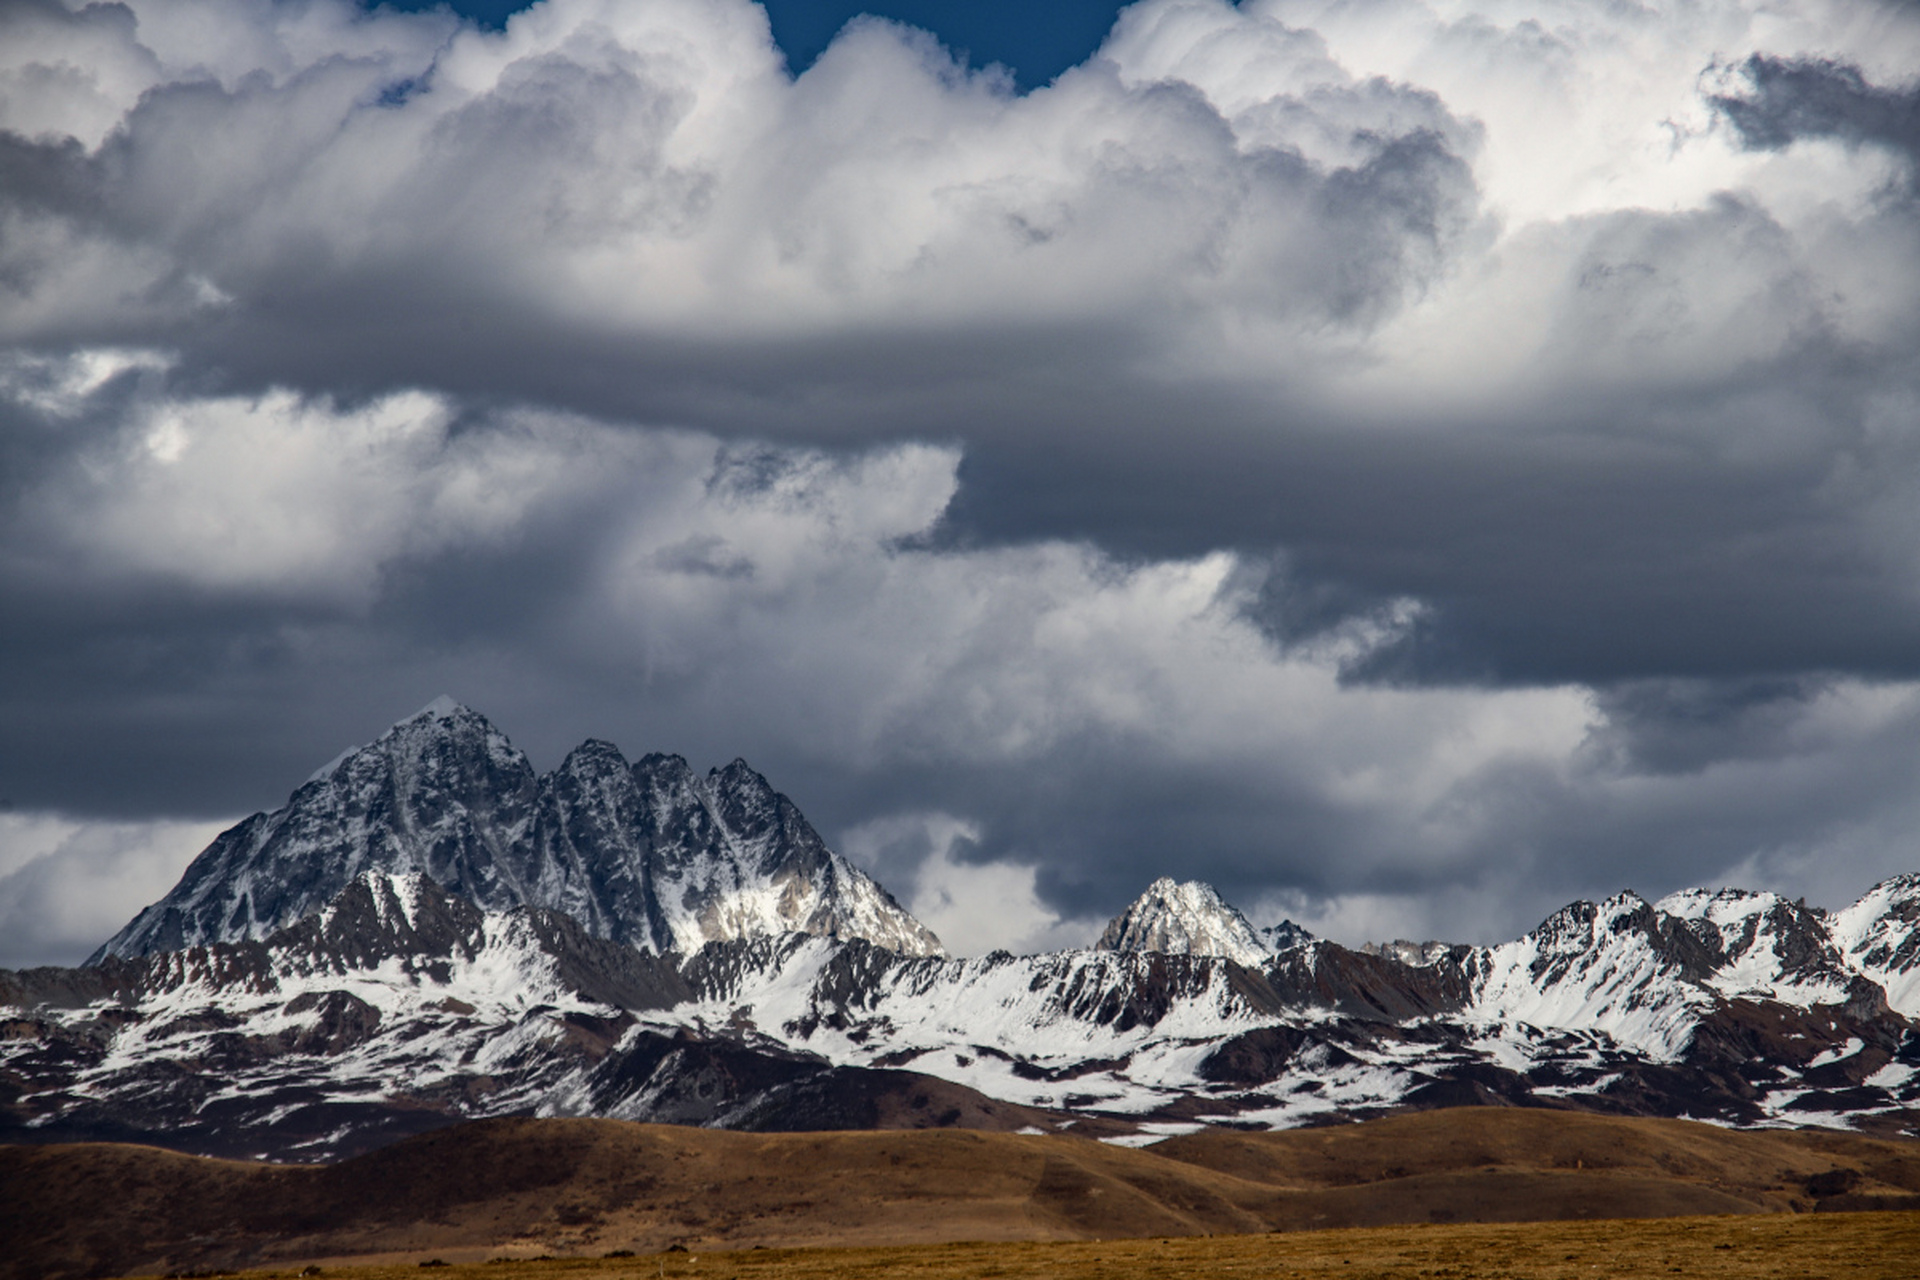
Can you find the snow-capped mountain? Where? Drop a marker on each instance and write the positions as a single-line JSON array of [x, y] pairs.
[[650, 854], [1880, 937], [1766, 946], [1191, 919], [402, 1005], [1279, 937], [397, 1008], [428, 931], [1408, 952]]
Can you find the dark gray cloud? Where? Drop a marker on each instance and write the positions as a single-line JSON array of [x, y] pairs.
[[1787, 99], [1409, 466]]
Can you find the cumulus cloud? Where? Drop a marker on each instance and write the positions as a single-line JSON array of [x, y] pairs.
[[65, 885], [280, 494], [1410, 463], [650, 173], [1041, 724], [975, 907]]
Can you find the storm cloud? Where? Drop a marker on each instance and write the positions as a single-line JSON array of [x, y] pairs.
[[1410, 464]]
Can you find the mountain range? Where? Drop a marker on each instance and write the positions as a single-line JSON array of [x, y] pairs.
[[649, 854], [430, 931]]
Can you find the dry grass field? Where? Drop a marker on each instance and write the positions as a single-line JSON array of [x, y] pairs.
[[497, 1193], [1864, 1246]]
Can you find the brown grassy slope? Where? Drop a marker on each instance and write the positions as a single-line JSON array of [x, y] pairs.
[[523, 1187], [538, 1186], [1867, 1246], [1771, 1169]]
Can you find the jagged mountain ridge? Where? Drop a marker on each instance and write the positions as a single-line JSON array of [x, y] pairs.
[[649, 853], [635, 940], [401, 1006]]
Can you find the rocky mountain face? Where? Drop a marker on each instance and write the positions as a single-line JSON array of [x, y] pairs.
[[402, 1006], [430, 932], [1190, 919], [649, 854]]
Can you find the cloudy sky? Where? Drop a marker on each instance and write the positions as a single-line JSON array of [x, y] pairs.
[[1411, 463]]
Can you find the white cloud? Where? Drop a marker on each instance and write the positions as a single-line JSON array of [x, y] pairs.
[[782, 581], [1520, 224], [792, 590], [70, 75], [67, 885], [286, 494], [61, 386], [974, 907], [652, 170]]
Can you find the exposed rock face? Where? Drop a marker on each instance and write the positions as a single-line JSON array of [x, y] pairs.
[[1409, 952], [1880, 936], [429, 931], [1283, 936], [1189, 920], [401, 1005], [649, 854]]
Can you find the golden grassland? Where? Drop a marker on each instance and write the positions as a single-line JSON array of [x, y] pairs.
[[1852, 1246], [1498, 1191]]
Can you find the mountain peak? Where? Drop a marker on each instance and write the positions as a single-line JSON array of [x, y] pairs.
[[1285, 935], [1184, 919], [442, 708], [649, 854], [1880, 935]]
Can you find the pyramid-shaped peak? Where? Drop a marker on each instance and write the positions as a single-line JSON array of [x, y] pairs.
[[430, 729], [442, 715], [737, 775], [1188, 918], [1585, 920], [443, 793], [1286, 935], [445, 731]]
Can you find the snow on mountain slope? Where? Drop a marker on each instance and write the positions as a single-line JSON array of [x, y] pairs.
[[1618, 967], [401, 1004], [395, 1004], [649, 854], [1114, 1033], [1880, 936], [732, 858], [1049, 1011], [442, 793], [428, 930], [1770, 947], [1646, 974], [1188, 919], [1598, 996]]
